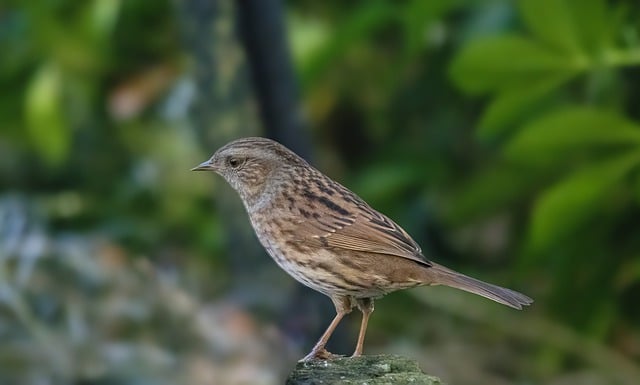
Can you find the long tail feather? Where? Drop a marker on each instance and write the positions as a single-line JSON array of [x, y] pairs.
[[448, 277]]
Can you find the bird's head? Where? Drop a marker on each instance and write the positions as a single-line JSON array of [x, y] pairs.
[[248, 164]]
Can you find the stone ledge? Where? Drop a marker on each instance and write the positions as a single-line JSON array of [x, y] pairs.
[[366, 370]]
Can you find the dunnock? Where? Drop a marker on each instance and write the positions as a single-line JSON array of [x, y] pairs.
[[328, 238]]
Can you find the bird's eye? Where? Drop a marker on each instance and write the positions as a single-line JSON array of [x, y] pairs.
[[234, 162]]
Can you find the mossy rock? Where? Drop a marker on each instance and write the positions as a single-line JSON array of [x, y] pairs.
[[366, 370]]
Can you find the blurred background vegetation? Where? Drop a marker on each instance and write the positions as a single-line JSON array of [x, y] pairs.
[[503, 135]]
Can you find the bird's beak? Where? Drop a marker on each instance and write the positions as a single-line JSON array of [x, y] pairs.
[[204, 166]]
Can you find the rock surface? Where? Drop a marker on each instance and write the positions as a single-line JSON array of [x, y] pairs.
[[365, 370]]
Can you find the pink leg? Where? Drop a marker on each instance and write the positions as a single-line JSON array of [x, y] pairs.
[[343, 307], [366, 307]]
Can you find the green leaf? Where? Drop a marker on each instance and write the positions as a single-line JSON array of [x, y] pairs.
[[46, 124], [102, 18], [577, 26], [568, 205], [507, 60], [512, 103], [309, 36], [551, 21], [570, 129], [596, 23]]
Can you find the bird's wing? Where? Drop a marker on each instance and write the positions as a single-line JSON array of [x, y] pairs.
[[367, 230]]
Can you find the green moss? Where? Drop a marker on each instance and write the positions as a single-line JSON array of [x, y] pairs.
[[369, 370]]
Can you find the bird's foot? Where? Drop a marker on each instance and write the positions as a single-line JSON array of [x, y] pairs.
[[320, 354]]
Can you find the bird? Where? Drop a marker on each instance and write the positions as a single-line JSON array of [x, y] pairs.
[[328, 238]]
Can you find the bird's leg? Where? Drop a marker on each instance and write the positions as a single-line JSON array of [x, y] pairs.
[[343, 307], [366, 307]]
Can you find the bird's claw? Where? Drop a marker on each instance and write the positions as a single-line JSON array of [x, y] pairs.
[[320, 354]]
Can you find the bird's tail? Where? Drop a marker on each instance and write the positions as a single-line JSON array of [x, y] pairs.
[[441, 275]]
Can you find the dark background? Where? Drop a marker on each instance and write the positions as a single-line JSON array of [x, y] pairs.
[[503, 135]]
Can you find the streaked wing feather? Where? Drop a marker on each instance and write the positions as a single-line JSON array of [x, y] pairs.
[[366, 231]]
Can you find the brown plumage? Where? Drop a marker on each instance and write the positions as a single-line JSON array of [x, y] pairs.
[[328, 238]]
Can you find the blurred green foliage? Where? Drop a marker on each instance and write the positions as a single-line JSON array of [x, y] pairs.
[[559, 114], [503, 135]]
